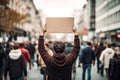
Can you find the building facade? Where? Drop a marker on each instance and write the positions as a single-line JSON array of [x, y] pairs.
[[91, 18], [83, 23], [20, 18], [108, 20]]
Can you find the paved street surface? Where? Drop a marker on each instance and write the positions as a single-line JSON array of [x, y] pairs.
[[34, 74]]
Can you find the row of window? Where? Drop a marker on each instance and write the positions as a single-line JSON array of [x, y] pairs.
[[99, 2], [5, 18], [114, 18], [108, 6]]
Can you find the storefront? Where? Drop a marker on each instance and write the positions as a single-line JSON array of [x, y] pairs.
[[110, 36], [118, 34]]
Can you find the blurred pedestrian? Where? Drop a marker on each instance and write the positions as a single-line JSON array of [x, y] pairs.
[[42, 64], [105, 57], [2, 56], [31, 48], [99, 49], [87, 59], [37, 54], [59, 65], [8, 48], [114, 66], [83, 45], [68, 49], [25, 54], [15, 65]]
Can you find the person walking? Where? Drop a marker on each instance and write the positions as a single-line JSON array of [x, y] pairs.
[[59, 65], [83, 45], [25, 54], [87, 59], [105, 57], [100, 48], [68, 49], [15, 65], [114, 66], [43, 69], [31, 49]]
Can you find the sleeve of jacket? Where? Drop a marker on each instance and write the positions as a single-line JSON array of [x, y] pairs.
[[93, 55], [44, 54], [82, 56], [74, 53], [28, 56], [96, 52], [102, 57]]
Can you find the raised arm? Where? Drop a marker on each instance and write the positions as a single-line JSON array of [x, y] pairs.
[[41, 48], [74, 53]]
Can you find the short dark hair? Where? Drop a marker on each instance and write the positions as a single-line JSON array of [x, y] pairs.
[[21, 44], [89, 43], [16, 46], [109, 45], [59, 46]]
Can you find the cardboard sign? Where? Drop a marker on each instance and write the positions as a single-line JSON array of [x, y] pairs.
[[59, 25]]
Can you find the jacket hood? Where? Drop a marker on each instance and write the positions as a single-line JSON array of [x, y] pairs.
[[109, 50], [59, 59], [15, 54]]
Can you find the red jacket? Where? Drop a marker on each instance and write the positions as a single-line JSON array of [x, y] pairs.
[[26, 54], [59, 65]]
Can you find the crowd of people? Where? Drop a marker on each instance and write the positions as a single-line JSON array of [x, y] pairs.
[[57, 60], [14, 58], [106, 55]]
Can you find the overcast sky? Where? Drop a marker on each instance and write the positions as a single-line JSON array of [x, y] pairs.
[[58, 8]]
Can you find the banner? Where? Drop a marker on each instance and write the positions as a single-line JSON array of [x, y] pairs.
[[59, 24]]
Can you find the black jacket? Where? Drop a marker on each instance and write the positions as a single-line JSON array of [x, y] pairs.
[[114, 69], [15, 64], [87, 56], [99, 51]]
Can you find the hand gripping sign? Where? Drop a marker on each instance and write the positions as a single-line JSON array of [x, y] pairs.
[[59, 24]]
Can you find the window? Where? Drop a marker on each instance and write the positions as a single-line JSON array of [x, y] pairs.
[[119, 16]]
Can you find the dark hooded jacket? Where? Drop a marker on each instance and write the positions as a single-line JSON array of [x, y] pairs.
[[15, 64], [59, 65]]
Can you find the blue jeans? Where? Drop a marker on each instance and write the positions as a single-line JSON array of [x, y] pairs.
[[88, 68]]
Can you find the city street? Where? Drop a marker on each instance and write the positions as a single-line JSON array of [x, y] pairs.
[[34, 74], [31, 28]]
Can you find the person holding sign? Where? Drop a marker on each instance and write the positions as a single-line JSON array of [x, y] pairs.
[[59, 65]]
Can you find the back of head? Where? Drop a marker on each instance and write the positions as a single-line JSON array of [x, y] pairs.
[[21, 44], [109, 45], [89, 43], [117, 51], [16, 46], [101, 44], [59, 47]]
